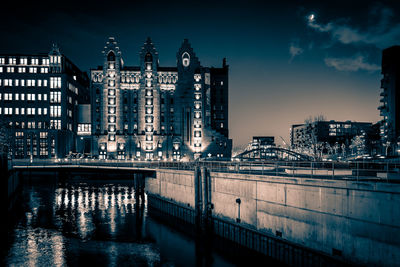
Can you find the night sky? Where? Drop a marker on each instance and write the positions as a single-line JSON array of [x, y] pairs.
[[288, 60]]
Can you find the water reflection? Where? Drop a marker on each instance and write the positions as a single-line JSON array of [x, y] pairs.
[[104, 223]]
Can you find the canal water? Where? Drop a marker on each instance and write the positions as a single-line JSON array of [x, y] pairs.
[[81, 222]]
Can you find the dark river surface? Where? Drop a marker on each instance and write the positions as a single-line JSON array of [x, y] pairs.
[[81, 222]]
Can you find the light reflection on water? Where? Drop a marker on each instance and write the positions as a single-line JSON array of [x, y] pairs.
[[99, 223]]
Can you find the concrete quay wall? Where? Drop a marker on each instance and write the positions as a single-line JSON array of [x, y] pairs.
[[358, 221]]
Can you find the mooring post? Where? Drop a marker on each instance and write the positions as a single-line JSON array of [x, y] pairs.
[[197, 193], [204, 194]]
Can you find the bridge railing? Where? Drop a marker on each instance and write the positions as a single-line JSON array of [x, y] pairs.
[[324, 169]]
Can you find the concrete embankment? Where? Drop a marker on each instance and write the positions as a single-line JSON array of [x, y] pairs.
[[358, 222]]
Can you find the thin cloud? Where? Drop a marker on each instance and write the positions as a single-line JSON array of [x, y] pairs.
[[352, 64], [294, 50], [382, 35]]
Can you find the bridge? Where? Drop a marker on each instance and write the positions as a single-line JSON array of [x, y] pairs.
[[272, 153], [306, 169]]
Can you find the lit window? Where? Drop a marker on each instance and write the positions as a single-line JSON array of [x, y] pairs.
[[12, 61], [16, 96], [45, 61], [22, 111], [55, 82], [55, 111], [55, 97]]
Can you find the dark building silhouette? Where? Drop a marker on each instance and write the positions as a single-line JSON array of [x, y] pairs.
[[390, 108], [157, 113], [39, 97]]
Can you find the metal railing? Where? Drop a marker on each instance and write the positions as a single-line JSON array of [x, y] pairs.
[[307, 169]]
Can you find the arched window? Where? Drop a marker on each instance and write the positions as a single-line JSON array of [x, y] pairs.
[[148, 58], [111, 56]]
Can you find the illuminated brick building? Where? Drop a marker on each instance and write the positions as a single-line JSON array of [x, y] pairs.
[[153, 112]]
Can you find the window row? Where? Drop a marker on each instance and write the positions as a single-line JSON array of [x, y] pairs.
[[22, 82], [23, 111], [29, 125], [24, 61], [29, 97], [23, 70]]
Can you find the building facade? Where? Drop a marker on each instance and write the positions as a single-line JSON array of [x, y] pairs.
[[390, 97], [332, 132], [39, 96], [151, 112]]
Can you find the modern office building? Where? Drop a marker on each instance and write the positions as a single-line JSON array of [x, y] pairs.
[[304, 135], [159, 113], [39, 96], [390, 108]]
